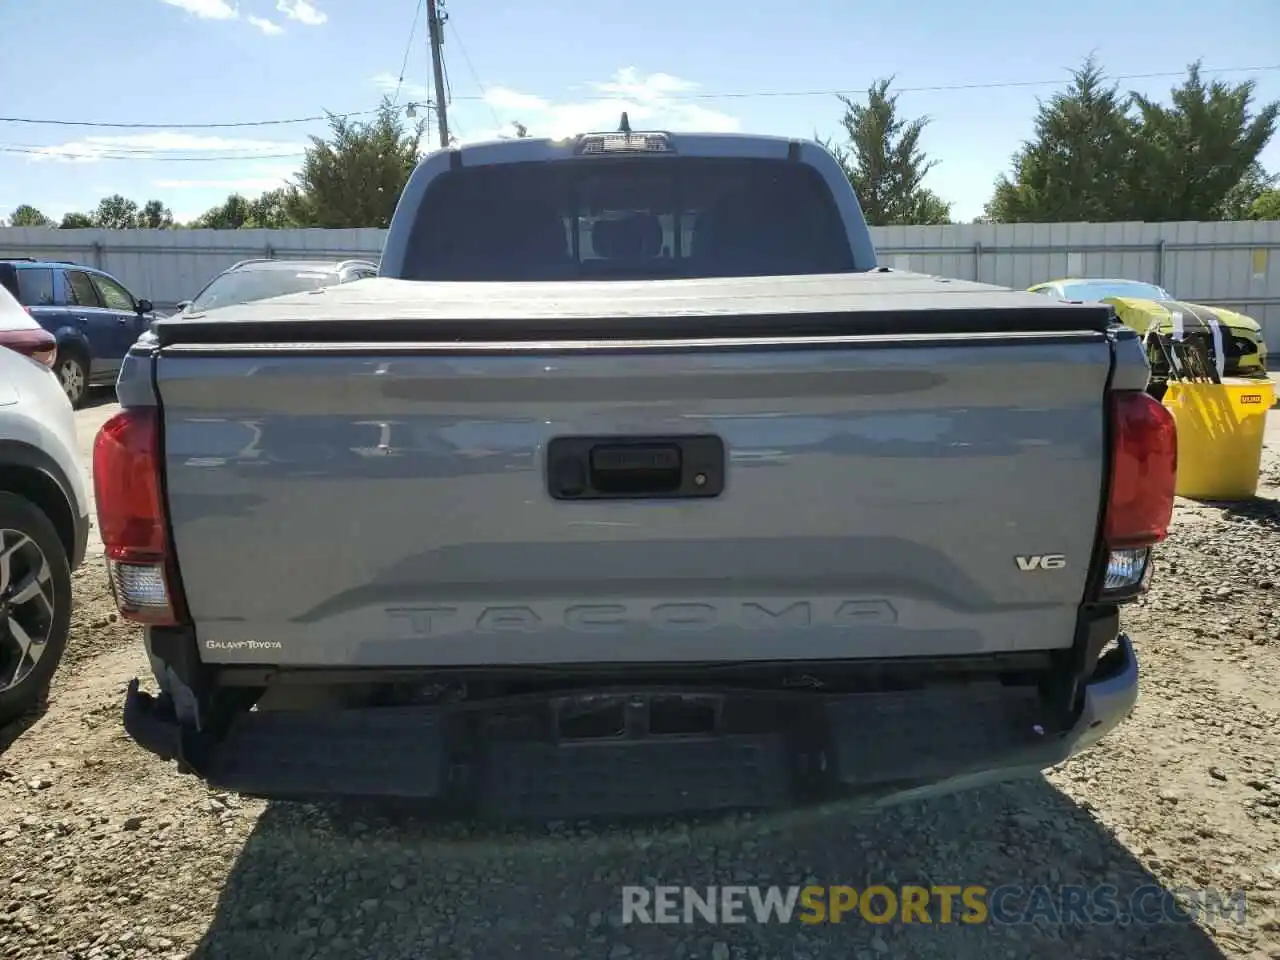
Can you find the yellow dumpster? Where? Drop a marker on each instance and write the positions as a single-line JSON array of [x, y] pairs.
[[1220, 433]]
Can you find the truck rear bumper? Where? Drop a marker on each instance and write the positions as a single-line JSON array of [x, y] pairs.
[[884, 746]]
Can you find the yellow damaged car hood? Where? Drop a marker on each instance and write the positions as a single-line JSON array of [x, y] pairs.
[[1141, 314]]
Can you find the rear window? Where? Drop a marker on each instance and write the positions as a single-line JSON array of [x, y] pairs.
[[35, 286], [245, 286], [616, 219], [1101, 289]]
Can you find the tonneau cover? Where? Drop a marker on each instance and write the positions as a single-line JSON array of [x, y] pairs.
[[876, 302]]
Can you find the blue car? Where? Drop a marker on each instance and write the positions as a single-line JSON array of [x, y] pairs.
[[92, 314]]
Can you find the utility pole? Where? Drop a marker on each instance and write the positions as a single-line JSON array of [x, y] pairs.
[[436, 26]]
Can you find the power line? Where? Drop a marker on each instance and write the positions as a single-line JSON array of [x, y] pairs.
[[404, 64], [665, 98], [939, 88], [444, 66], [54, 153], [92, 148], [41, 121], [484, 95]]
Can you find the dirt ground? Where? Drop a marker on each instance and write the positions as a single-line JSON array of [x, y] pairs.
[[105, 852]]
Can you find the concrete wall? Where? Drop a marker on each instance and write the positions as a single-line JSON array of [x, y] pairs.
[[1236, 265]]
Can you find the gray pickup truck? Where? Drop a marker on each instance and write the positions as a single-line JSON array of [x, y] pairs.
[[632, 485]]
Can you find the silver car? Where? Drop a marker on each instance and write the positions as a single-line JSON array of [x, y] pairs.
[[251, 280]]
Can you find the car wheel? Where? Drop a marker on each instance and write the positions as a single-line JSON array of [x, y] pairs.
[[35, 605], [73, 376]]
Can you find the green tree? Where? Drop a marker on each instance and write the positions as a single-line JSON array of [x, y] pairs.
[[1241, 198], [28, 216], [76, 221], [1077, 166], [1097, 155], [1192, 156], [155, 216], [231, 214], [271, 210], [356, 176], [884, 162], [1266, 207], [116, 213]]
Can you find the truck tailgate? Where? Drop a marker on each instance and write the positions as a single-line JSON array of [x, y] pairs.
[[883, 497]]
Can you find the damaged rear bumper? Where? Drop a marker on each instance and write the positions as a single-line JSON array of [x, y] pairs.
[[884, 745]]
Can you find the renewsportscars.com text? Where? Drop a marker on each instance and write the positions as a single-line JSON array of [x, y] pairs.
[[938, 904]]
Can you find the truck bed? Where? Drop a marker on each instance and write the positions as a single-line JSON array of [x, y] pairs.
[[360, 477]]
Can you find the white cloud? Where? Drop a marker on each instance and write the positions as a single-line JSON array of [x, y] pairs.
[[222, 10], [302, 11], [500, 98], [269, 27], [389, 82], [649, 99], [232, 185], [206, 9], [628, 84], [156, 146]]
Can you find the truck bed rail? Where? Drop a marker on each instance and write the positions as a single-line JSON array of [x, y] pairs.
[[882, 302]]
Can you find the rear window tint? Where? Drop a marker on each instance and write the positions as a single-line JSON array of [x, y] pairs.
[[613, 219], [35, 286]]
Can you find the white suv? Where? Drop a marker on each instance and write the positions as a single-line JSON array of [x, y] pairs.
[[44, 511]]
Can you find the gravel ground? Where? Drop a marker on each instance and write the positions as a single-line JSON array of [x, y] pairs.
[[106, 853]]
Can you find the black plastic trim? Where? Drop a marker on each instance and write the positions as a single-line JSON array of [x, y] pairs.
[[172, 570], [872, 670], [150, 725], [1101, 552], [628, 347], [506, 761], [18, 454], [1065, 690], [634, 468], [177, 649], [80, 540], [996, 322]]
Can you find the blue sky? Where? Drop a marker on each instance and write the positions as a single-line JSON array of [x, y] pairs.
[[558, 67]]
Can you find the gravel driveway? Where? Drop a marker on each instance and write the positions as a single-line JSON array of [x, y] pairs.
[[107, 853]]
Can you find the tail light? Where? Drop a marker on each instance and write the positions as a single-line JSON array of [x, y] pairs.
[[132, 521], [1140, 491], [39, 345]]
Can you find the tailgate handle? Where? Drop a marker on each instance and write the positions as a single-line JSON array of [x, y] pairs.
[[635, 468]]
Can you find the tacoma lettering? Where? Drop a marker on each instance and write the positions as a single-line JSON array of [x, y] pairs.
[[596, 617], [423, 621], [517, 619], [612, 618], [794, 615]]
